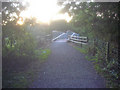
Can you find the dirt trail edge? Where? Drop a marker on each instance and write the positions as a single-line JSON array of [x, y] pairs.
[[67, 68]]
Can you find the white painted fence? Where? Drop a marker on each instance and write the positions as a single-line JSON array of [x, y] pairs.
[[58, 37], [78, 39]]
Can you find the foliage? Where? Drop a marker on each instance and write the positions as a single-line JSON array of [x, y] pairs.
[[19, 46], [99, 22], [59, 25], [24, 78], [94, 19], [82, 50], [42, 54], [16, 40]]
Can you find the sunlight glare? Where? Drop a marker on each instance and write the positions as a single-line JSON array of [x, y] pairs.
[[44, 11], [62, 16], [20, 21]]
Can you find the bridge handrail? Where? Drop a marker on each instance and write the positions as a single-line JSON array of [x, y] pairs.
[[78, 39], [58, 37], [77, 36]]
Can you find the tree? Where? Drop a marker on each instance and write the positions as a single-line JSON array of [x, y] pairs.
[[17, 41], [99, 22], [98, 18]]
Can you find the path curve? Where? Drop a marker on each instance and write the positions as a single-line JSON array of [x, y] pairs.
[[67, 68]]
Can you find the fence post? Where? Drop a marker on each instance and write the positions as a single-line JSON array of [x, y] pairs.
[[87, 39], [107, 52], [94, 43], [81, 44]]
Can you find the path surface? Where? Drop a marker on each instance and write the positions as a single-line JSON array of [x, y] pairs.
[[67, 68]]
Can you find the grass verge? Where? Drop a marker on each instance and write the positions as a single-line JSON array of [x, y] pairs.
[[82, 50], [106, 70], [22, 79]]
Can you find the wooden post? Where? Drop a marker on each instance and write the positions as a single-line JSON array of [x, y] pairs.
[[107, 52], [94, 47], [81, 44]]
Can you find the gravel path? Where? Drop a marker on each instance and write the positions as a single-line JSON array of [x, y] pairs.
[[67, 68]]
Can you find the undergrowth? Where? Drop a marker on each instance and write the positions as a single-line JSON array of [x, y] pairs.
[[22, 79], [108, 69]]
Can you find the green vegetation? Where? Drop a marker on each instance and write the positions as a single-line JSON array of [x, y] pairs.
[[98, 60], [82, 50], [92, 58], [19, 81], [42, 54], [24, 47], [26, 77], [23, 44], [99, 22]]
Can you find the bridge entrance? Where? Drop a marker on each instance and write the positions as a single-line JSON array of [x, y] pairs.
[[61, 36]]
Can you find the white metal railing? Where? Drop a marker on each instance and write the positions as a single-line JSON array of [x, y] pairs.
[[58, 37], [78, 39]]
